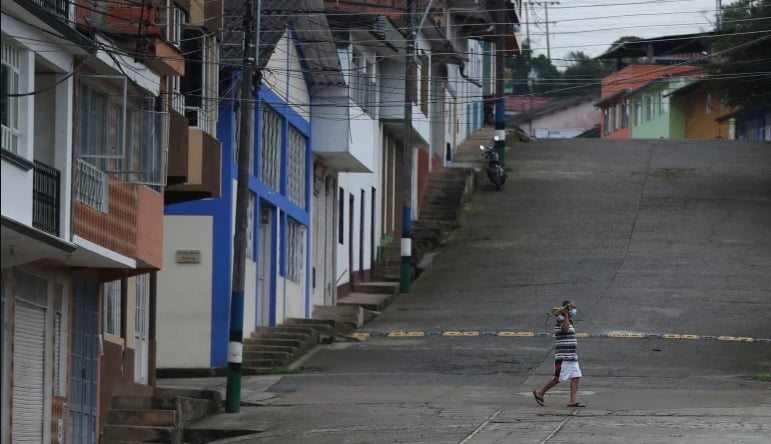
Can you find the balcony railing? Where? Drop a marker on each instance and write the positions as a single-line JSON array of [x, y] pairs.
[[45, 198], [198, 117], [92, 186], [58, 7]]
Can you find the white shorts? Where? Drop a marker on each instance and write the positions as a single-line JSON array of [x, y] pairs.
[[570, 370]]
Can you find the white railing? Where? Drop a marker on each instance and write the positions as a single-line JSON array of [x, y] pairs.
[[198, 117], [178, 102], [92, 186]]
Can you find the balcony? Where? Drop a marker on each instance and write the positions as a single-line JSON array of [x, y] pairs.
[[45, 198], [178, 149], [204, 13], [59, 8], [202, 171]]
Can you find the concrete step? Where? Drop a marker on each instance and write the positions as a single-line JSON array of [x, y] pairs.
[[295, 343], [142, 434], [252, 354], [269, 348], [310, 322], [142, 417], [322, 330], [346, 317], [274, 334], [381, 287], [368, 301], [265, 363]]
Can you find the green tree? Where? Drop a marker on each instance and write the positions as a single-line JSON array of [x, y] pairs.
[[742, 52], [584, 74]]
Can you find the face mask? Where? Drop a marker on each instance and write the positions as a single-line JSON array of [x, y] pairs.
[[573, 311]]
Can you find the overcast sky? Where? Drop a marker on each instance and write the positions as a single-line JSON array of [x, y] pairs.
[[592, 25]]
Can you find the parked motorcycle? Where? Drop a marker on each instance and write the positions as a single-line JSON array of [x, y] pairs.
[[495, 172]]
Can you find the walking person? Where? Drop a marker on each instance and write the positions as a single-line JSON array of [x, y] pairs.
[[565, 356]]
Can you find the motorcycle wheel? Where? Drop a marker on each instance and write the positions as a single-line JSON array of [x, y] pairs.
[[497, 182]]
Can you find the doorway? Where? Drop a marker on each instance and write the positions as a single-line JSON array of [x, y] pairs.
[[85, 353], [265, 262]]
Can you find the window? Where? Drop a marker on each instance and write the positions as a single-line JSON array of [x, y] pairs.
[[178, 19], [708, 105], [625, 114], [177, 99], [112, 308], [295, 186], [638, 113], [649, 107], [341, 217], [663, 101], [270, 147], [606, 120], [295, 260], [616, 117], [362, 81], [11, 106], [424, 75], [197, 85]]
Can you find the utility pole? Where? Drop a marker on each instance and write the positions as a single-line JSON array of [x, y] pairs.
[[245, 146], [409, 78], [500, 108], [546, 12]]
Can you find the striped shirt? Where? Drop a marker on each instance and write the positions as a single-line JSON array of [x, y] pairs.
[[565, 343]]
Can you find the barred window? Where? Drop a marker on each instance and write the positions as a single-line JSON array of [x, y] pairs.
[[295, 255], [270, 147], [112, 305], [295, 186], [11, 106]]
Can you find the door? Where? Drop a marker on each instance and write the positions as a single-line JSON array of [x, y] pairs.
[[265, 261], [85, 352], [30, 391], [141, 320]]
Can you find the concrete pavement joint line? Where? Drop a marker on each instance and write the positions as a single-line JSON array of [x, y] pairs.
[[481, 426], [558, 428], [529, 334]]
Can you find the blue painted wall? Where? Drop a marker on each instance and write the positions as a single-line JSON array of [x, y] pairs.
[[221, 210]]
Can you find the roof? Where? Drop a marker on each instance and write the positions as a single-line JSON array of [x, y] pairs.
[[549, 108], [607, 99], [310, 28], [635, 76], [661, 79], [664, 45], [525, 103]]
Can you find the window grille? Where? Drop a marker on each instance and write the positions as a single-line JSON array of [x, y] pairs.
[[606, 120], [295, 255], [198, 117], [295, 186], [664, 101], [270, 148], [92, 186], [616, 117], [625, 114], [638, 113], [112, 304], [10, 109]]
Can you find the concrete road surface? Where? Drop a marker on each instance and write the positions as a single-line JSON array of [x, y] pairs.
[[664, 245]]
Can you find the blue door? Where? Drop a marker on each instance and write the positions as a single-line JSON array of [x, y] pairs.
[[85, 352]]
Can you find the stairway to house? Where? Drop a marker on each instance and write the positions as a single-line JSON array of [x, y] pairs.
[[277, 347], [441, 207], [467, 154], [160, 417]]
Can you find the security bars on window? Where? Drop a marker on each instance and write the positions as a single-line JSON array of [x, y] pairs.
[[270, 148], [295, 254], [295, 186]]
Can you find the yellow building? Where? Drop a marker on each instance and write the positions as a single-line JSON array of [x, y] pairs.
[[704, 104]]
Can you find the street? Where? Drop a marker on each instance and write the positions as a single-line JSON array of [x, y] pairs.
[[665, 246]]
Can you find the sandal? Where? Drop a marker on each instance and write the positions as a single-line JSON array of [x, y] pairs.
[[577, 404], [538, 399]]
